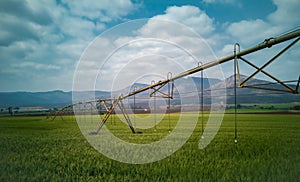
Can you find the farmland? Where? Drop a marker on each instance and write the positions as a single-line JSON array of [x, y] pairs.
[[268, 149]]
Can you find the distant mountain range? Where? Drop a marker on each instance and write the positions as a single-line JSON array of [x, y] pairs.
[[48, 99], [188, 86], [255, 95]]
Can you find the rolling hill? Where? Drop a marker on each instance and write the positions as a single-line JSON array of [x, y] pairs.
[[212, 88]]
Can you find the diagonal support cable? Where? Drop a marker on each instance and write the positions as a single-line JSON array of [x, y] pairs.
[[268, 63], [125, 114], [297, 87], [163, 94], [290, 89], [108, 113]]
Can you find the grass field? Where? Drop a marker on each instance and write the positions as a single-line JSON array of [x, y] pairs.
[[268, 149]]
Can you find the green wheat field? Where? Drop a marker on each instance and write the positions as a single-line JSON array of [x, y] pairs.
[[39, 149]]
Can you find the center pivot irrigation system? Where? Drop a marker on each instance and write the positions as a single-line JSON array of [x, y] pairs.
[[110, 104]]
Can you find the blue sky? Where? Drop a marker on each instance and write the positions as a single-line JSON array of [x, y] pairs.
[[41, 41]]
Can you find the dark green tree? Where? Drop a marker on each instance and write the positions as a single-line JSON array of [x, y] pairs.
[[10, 110]]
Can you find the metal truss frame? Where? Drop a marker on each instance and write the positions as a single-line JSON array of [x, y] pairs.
[[109, 110], [157, 87], [242, 84]]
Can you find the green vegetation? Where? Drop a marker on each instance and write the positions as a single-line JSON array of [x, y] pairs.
[[36, 149], [264, 108], [274, 106]]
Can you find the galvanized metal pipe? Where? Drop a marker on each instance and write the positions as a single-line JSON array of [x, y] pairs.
[[265, 44]]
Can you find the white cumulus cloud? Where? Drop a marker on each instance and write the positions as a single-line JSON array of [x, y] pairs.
[[284, 18], [39, 35], [190, 16]]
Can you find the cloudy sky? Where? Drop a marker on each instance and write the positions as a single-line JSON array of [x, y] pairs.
[[45, 45]]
